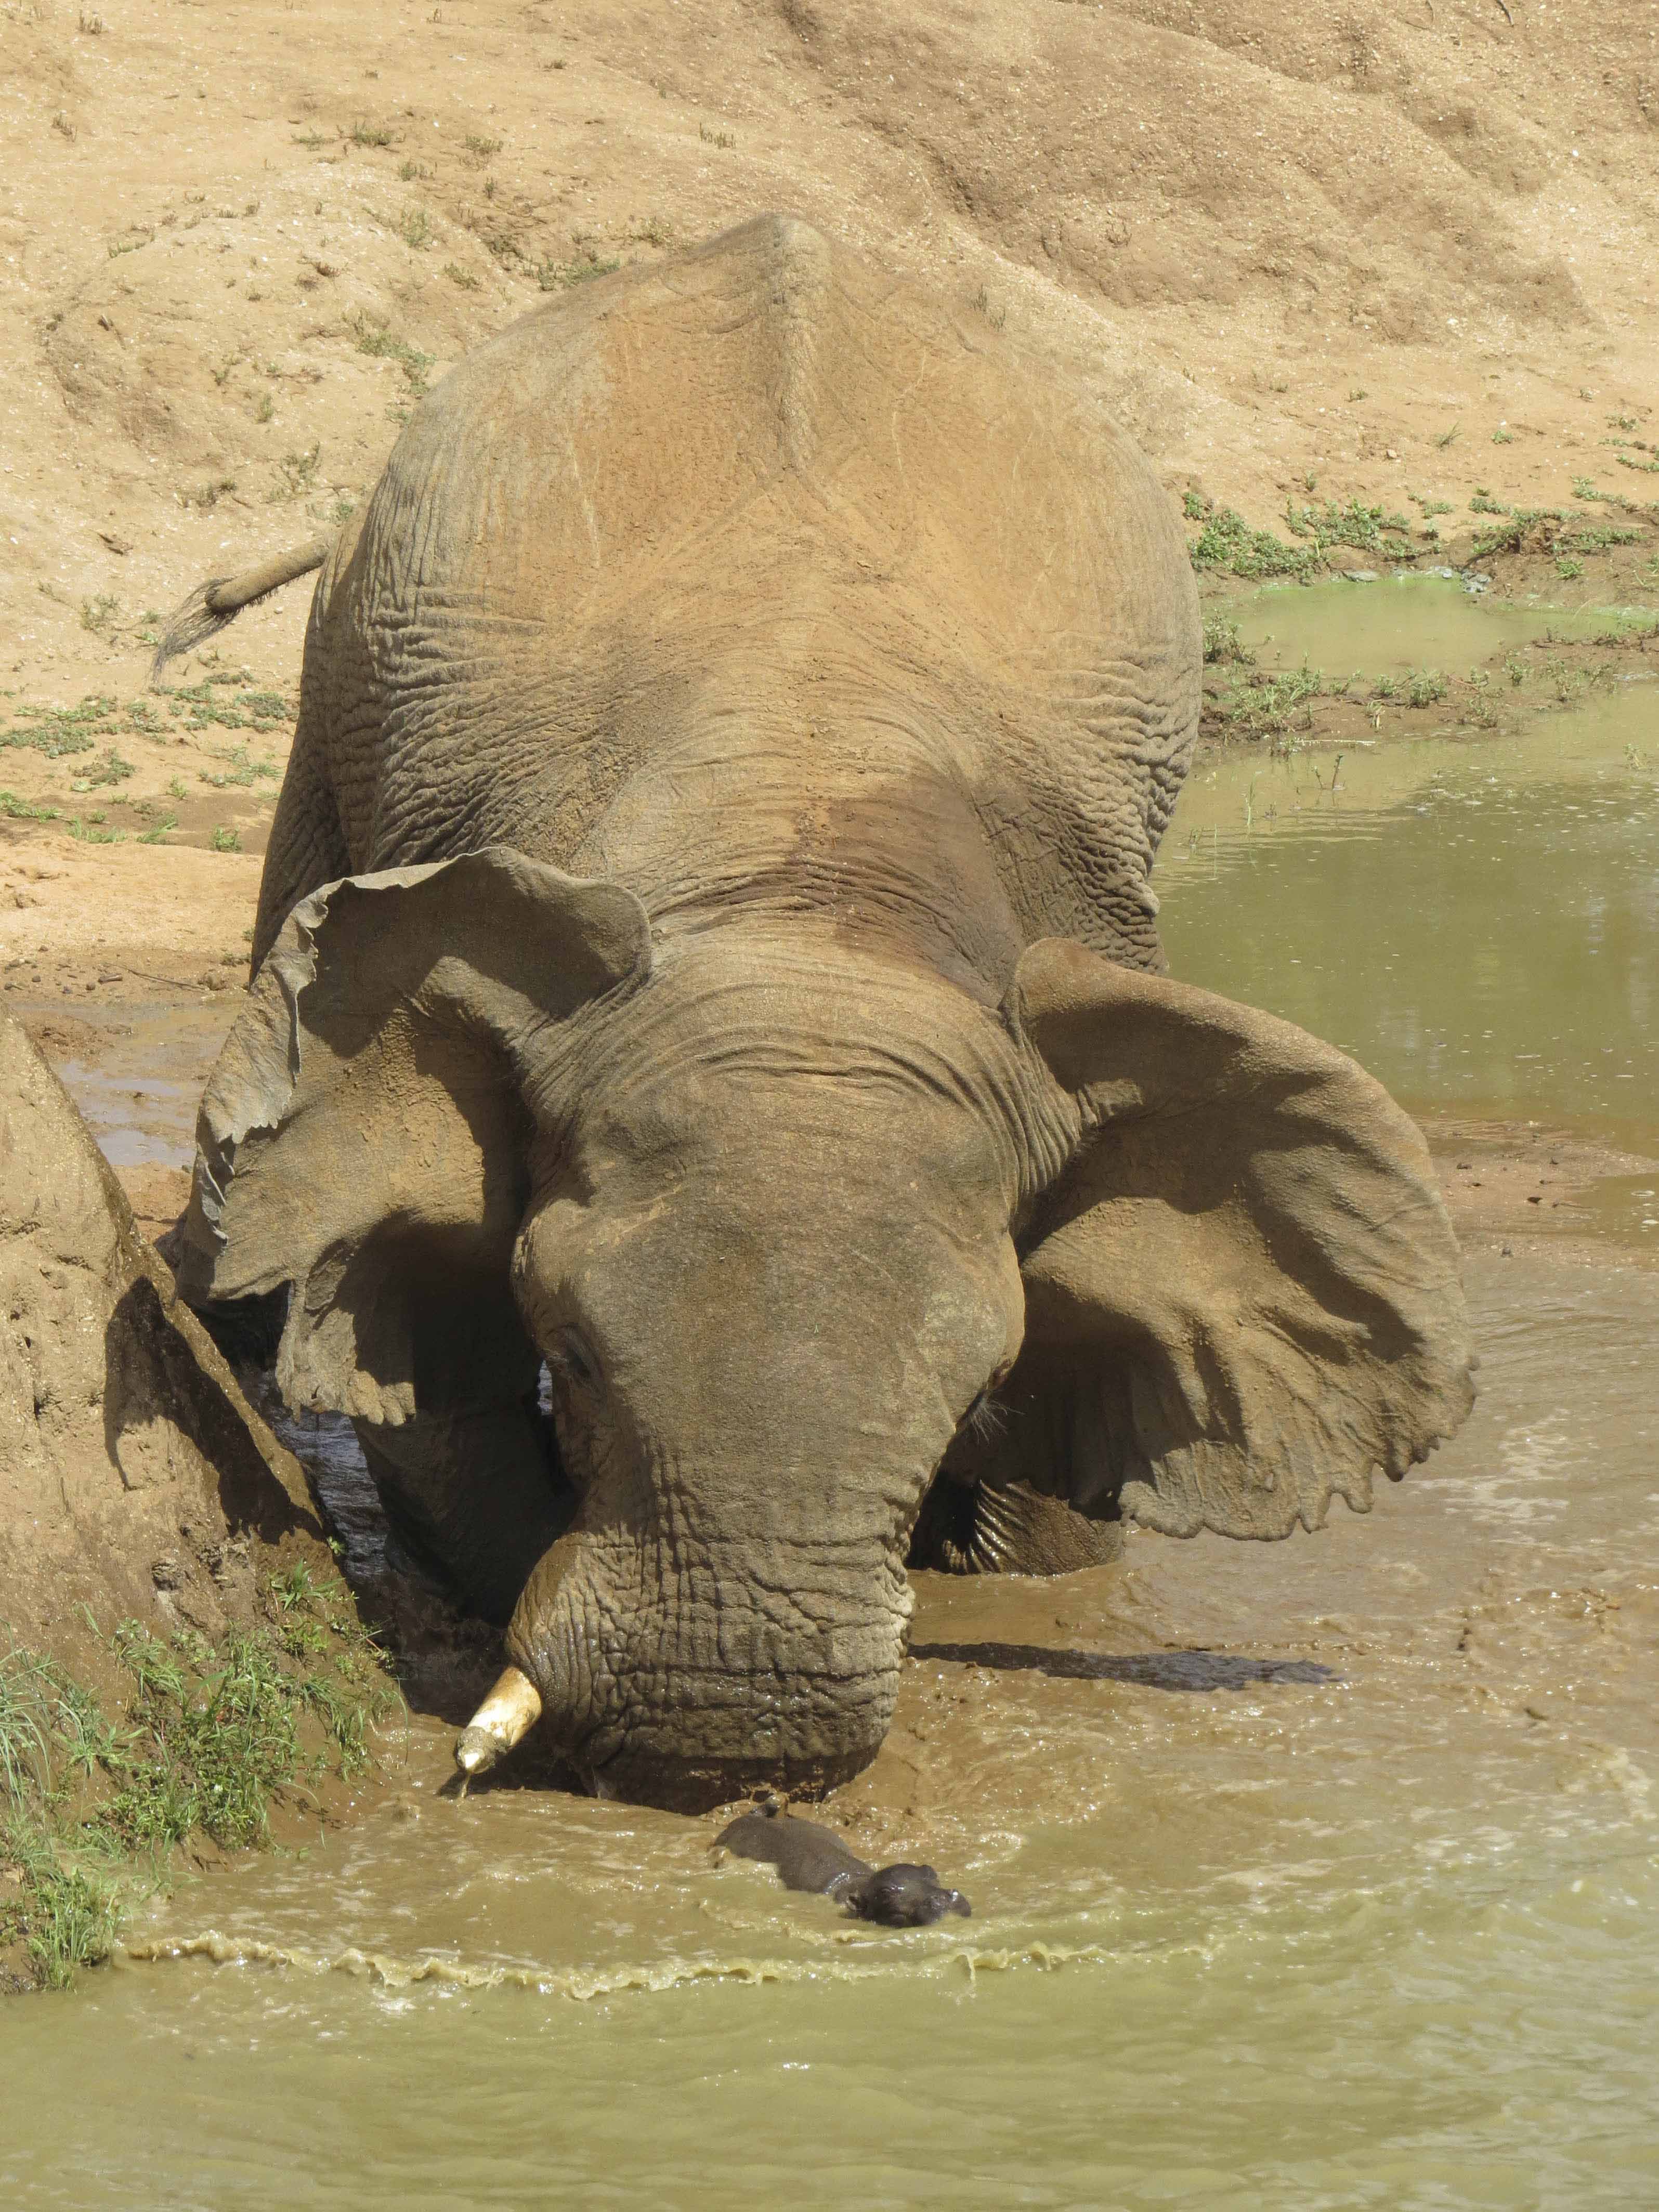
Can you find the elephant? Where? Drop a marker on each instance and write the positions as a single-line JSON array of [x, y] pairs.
[[709, 1090]]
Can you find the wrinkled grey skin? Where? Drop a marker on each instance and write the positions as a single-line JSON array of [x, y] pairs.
[[743, 719]]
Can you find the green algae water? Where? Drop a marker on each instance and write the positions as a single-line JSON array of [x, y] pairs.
[[1321, 1876], [1476, 921]]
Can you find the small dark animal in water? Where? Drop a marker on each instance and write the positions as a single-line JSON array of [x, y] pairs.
[[808, 1856]]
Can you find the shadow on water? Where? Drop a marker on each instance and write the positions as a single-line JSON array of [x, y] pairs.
[[1156, 1670]]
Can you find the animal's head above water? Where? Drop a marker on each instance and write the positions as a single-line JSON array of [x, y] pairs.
[[904, 1896], [778, 1220]]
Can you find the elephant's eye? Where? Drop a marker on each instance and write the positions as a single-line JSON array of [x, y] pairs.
[[573, 1356]]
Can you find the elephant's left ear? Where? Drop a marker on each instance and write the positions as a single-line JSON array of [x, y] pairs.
[[1243, 1284], [365, 1135]]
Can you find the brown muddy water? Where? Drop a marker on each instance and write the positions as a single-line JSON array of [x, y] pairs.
[[1317, 1875]]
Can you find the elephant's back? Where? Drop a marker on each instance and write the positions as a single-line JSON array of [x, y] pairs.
[[767, 426]]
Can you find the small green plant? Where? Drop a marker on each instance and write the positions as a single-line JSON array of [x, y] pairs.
[[993, 310], [294, 473], [241, 770], [378, 342], [295, 1588], [415, 228], [1367, 529], [1516, 670], [1624, 461], [1223, 644], [225, 839], [556, 277], [93, 832], [1261, 705], [143, 719], [1424, 686], [1385, 687], [1445, 438], [407, 171], [1570, 571], [108, 768], [1356, 394], [654, 232], [1502, 437], [464, 277], [1228, 542], [313, 139], [159, 829], [1569, 683], [367, 134], [715, 137], [100, 616], [175, 787], [481, 149], [1598, 539], [23, 810], [264, 408], [1430, 508]]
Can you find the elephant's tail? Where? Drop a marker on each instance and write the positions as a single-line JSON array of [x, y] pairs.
[[218, 602]]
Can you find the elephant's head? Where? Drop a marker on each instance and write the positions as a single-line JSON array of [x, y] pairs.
[[779, 1218]]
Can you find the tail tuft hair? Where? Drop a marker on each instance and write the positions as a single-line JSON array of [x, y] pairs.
[[191, 624], [213, 606]]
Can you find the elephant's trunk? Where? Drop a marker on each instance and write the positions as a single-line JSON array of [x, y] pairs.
[[686, 1683]]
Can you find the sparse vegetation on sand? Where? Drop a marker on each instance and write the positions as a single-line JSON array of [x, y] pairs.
[[1228, 543]]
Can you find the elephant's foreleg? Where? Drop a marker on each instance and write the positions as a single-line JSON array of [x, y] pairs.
[[1008, 1528], [478, 1495]]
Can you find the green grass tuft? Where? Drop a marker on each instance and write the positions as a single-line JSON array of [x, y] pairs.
[[209, 1740], [1261, 706]]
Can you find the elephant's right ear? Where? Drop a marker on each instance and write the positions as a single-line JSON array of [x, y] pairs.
[[365, 1133], [1242, 1289]]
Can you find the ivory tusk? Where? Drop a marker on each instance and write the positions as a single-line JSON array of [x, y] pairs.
[[505, 1718]]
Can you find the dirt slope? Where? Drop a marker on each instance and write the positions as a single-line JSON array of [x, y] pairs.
[[135, 1478], [1316, 247]]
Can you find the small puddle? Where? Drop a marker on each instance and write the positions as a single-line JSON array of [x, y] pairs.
[[1477, 922], [1404, 621], [139, 1086]]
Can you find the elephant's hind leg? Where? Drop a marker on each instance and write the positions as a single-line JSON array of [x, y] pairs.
[[308, 842]]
